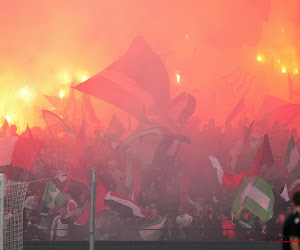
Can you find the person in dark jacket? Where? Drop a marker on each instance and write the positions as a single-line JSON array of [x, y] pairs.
[[170, 230]]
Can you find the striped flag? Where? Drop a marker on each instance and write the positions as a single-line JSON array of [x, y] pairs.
[[227, 180], [138, 80], [152, 231], [18, 151], [285, 193], [150, 145], [256, 195], [292, 162], [124, 206]]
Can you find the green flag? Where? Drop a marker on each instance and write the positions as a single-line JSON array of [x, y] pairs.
[[292, 162], [53, 198], [256, 195], [152, 231]]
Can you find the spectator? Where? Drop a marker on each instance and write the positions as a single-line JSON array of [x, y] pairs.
[[32, 203], [228, 227], [169, 230], [183, 222], [60, 231], [245, 226]]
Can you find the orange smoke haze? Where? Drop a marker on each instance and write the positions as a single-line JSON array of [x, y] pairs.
[[47, 45]]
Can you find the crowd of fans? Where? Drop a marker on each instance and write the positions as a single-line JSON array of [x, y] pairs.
[[206, 215]]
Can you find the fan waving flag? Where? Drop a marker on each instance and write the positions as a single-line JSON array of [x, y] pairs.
[[152, 231], [136, 80], [150, 145], [292, 160], [124, 206], [18, 151], [227, 180], [263, 156], [55, 124], [255, 195]]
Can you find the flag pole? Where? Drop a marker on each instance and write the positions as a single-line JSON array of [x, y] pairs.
[[92, 213]]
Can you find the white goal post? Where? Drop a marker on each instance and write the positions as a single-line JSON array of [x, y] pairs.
[[12, 196]]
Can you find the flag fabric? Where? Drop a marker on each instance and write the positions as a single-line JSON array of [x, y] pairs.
[[5, 131], [181, 108], [124, 206], [227, 180], [285, 193], [101, 192], [73, 110], [295, 186], [263, 156], [53, 198], [256, 195], [152, 231], [55, 124], [78, 157], [27, 133], [58, 103], [270, 103], [292, 160], [284, 115], [150, 145], [18, 152], [136, 80], [89, 109], [115, 129]]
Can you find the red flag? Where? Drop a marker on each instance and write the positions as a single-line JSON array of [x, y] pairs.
[[263, 156], [284, 115], [136, 80], [88, 106], [55, 124], [58, 103], [115, 129], [5, 129], [72, 111], [78, 157], [18, 152], [101, 192], [27, 133]]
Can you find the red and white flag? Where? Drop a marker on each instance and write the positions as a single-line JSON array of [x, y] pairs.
[[227, 180], [137, 80], [18, 151], [124, 206]]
